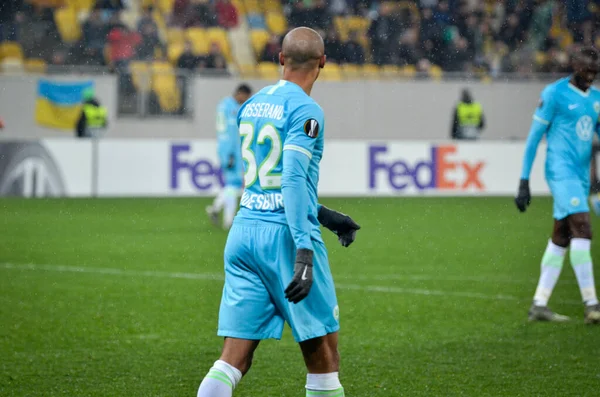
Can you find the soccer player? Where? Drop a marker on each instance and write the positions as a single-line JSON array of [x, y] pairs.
[[229, 157], [568, 115], [276, 266]]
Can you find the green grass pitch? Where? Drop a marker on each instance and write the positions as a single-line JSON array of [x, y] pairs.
[[119, 297]]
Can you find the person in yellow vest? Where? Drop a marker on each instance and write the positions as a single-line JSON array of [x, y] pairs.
[[93, 120], [468, 118]]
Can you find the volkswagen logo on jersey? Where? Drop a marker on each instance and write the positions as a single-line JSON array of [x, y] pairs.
[[311, 128], [585, 128]]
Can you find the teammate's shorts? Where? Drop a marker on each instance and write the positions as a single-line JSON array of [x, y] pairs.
[[570, 197], [259, 265]]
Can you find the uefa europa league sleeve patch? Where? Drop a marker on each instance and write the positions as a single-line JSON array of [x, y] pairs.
[[311, 128]]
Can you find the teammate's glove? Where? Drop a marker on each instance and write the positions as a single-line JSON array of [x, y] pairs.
[[303, 276], [341, 224], [231, 162], [523, 198]]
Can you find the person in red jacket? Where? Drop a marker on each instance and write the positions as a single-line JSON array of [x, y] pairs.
[[122, 44], [227, 14]]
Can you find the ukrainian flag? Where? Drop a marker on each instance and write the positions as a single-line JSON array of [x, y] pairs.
[[58, 104]]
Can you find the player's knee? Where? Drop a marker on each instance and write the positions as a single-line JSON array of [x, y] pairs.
[[324, 360]]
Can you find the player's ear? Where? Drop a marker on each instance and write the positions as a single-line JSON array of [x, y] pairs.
[[281, 58], [322, 61]]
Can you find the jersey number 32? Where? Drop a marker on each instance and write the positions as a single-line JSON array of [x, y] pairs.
[[263, 171]]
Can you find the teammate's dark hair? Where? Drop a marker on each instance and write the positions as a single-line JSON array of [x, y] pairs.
[[244, 89]]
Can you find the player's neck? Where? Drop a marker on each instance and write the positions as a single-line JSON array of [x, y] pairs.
[[303, 80], [573, 82]]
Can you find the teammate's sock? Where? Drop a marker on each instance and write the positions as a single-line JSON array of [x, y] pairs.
[[218, 202], [220, 381], [581, 260], [324, 385], [552, 263], [230, 201]]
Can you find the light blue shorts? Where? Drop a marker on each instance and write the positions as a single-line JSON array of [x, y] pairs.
[[259, 265], [570, 197]]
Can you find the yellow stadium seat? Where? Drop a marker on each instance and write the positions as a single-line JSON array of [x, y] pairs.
[[357, 24], [276, 23], [349, 71], [35, 65], [341, 27], [68, 24], [175, 35], [11, 65], [140, 75], [164, 84], [370, 71], [272, 6], [259, 39], [252, 6], [331, 72], [408, 71], [219, 36], [11, 50], [199, 40], [247, 71], [391, 71], [80, 5], [166, 6], [435, 72], [268, 71], [239, 6], [174, 51]]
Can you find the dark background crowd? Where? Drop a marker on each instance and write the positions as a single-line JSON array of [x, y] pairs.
[[493, 36]]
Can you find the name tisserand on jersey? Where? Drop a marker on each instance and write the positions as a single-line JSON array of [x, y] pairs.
[[262, 109]]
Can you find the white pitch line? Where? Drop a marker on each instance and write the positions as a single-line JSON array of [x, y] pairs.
[[219, 277]]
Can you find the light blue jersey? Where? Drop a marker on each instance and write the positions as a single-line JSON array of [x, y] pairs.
[[228, 142], [568, 117], [281, 131]]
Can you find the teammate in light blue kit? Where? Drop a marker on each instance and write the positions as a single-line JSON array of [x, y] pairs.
[[229, 156], [568, 115], [275, 238]]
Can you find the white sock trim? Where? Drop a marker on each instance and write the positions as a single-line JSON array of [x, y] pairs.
[[232, 372], [323, 382], [556, 249], [581, 244]]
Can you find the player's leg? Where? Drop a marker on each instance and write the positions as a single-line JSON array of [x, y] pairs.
[[230, 200], [581, 260], [322, 361], [217, 205], [246, 315], [227, 371], [553, 258]]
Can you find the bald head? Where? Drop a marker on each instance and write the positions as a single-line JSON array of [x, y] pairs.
[[302, 48]]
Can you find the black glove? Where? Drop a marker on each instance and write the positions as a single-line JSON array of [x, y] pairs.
[[523, 198], [341, 224], [231, 162], [303, 276]]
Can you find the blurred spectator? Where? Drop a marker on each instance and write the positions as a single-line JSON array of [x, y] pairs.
[[215, 58], [227, 14], [149, 43], [468, 120], [187, 60], [122, 46], [334, 48], [406, 53], [94, 38], [111, 5], [146, 19], [93, 119], [270, 52], [9, 16], [179, 15], [201, 14], [353, 50], [383, 34]]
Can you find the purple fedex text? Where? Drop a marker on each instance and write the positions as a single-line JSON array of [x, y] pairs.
[[400, 173], [201, 172]]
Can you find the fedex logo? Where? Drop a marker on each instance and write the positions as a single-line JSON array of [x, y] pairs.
[[440, 171], [201, 173]]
